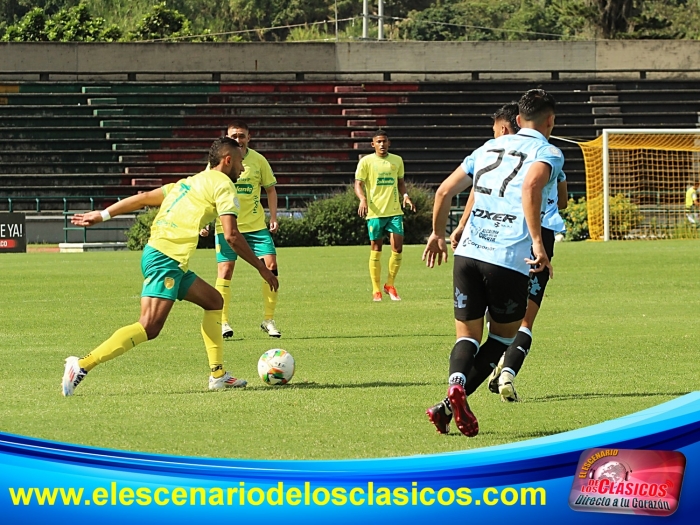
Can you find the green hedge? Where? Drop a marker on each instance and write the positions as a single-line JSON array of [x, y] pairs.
[[137, 236], [334, 221]]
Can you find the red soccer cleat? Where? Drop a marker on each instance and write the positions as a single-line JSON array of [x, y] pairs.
[[464, 417]]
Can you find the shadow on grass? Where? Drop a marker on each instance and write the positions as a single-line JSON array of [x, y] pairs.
[[597, 395], [329, 386], [367, 336]]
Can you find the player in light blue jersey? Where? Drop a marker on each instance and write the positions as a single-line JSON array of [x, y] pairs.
[[512, 175], [489, 364]]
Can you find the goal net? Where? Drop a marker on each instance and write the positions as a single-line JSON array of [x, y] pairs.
[[637, 181]]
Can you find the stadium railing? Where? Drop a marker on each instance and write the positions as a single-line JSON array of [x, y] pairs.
[[386, 75]]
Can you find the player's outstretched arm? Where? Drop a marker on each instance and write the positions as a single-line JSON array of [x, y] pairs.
[[535, 181], [239, 245], [436, 248], [133, 203]]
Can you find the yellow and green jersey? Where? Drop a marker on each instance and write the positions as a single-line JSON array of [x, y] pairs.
[[380, 176], [257, 174], [189, 205], [691, 196]]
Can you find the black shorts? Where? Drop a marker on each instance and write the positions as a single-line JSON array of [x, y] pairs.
[[539, 280], [479, 285]]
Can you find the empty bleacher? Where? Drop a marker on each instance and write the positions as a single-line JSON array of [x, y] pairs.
[[108, 140]]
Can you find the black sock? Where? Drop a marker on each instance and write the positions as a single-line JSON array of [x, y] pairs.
[[462, 359], [517, 352], [484, 363]]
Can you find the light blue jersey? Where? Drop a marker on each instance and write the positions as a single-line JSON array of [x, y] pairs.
[[552, 220], [497, 231]]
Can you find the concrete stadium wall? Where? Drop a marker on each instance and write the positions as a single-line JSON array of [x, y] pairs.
[[417, 60]]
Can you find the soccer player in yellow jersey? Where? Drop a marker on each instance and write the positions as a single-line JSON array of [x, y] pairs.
[[379, 182], [256, 174], [185, 207], [692, 202]]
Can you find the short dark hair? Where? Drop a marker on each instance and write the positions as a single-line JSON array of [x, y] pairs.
[[536, 105], [220, 148], [380, 133], [508, 112], [239, 124]]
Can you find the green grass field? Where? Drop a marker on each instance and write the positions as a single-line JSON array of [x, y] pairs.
[[617, 334]]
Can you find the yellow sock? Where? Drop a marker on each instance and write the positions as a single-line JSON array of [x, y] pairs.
[[122, 340], [269, 301], [394, 265], [213, 341], [224, 287], [375, 269]]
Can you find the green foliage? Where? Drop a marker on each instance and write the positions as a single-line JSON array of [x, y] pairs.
[[624, 217], [137, 236], [31, 28], [70, 24], [294, 231], [161, 22], [576, 219], [424, 19], [334, 221]]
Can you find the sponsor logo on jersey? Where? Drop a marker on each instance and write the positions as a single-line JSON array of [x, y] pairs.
[[385, 181], [244, 189], [495, 217], [488, 235]]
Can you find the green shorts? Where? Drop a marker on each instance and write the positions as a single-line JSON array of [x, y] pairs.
[[260, 242], [163, 276], [377, 227]]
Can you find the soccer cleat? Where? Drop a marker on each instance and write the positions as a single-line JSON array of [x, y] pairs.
[[226, 381], [506, 387], [440, 418], [377, 297], [226, 330], [72, 376], [392, 292], [269, 326], [464, 417], [493, 378]]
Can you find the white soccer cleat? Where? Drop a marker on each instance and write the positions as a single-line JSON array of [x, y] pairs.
[[72, 376], [226, 381], [226, 330], [506, 387], [269, 326]]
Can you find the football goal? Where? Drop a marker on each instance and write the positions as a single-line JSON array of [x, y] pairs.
[[638, 182]]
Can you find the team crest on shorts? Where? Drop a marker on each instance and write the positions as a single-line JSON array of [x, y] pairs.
[[169, 282]]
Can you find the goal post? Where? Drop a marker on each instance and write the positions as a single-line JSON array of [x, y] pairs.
[[636, 183]]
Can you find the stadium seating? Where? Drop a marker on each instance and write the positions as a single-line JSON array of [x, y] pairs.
[[106, 140]]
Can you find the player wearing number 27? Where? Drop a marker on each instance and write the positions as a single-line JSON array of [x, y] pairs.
[[513, 175]]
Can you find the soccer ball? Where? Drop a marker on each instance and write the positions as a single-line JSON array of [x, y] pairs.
[[276, 367]]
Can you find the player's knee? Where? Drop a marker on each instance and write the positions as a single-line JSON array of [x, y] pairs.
[[215, 302], [151, 327]]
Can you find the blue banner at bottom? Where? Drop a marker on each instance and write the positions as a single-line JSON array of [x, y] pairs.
[[526, 482]]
